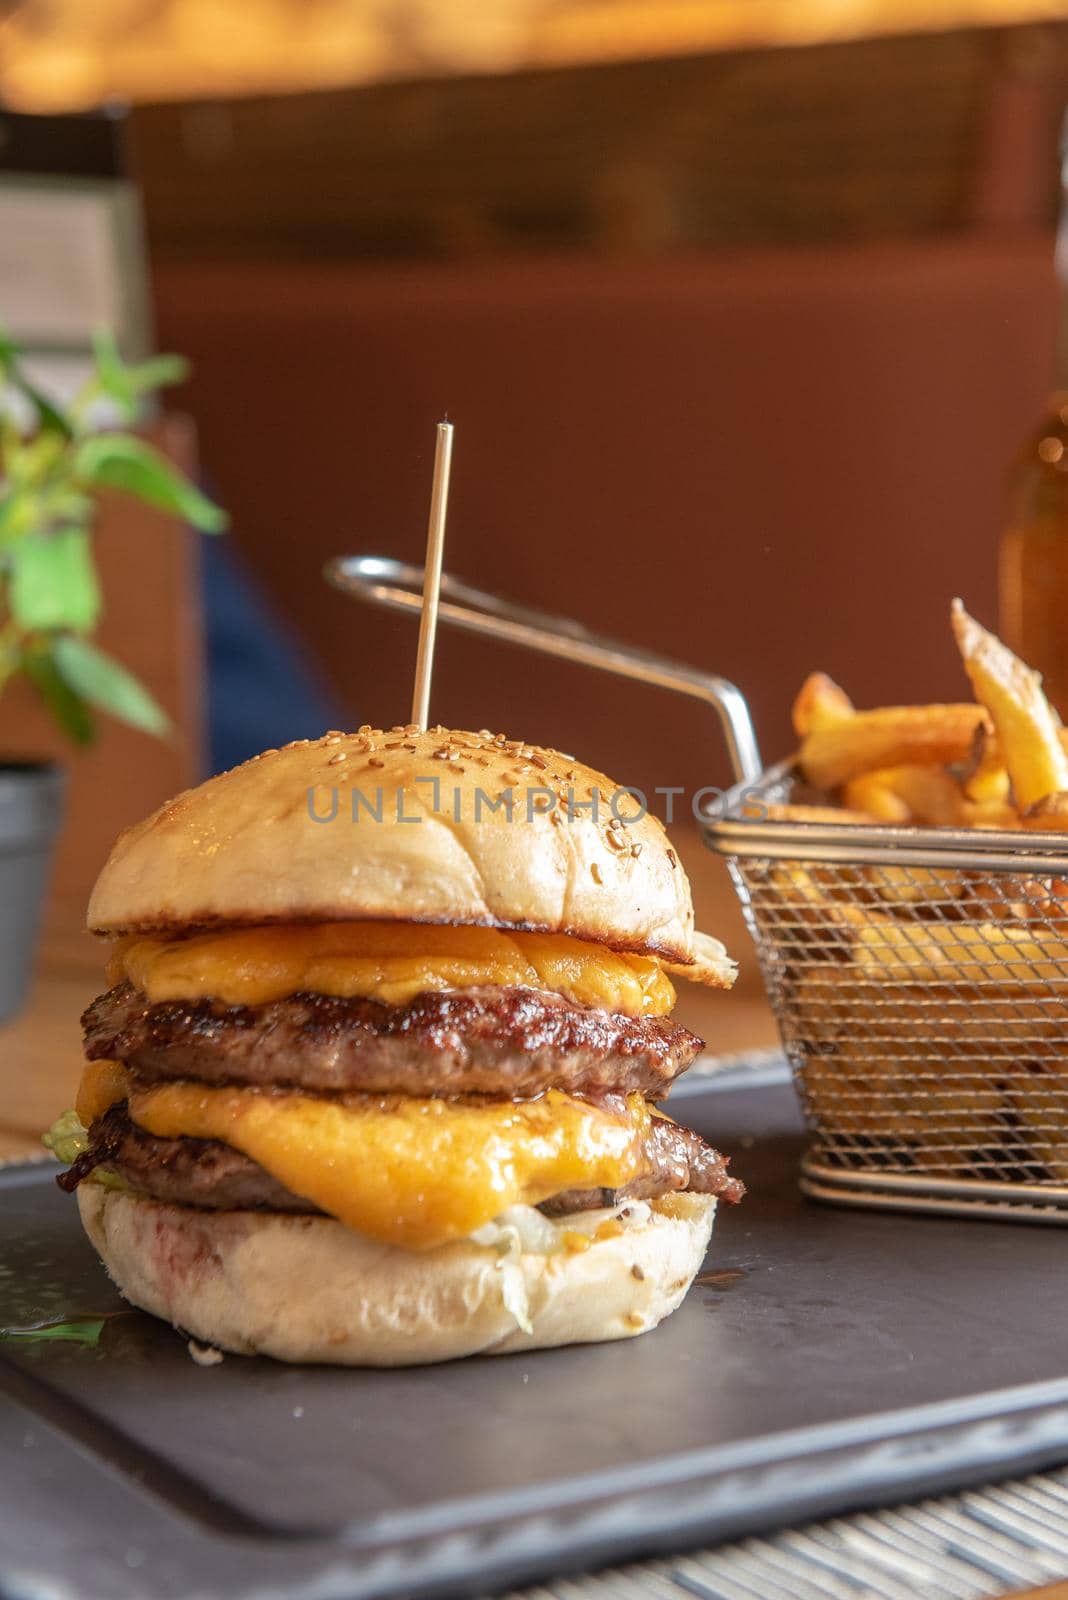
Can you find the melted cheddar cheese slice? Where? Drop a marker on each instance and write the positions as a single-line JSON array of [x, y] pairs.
[[409, 1172], [388, 961]]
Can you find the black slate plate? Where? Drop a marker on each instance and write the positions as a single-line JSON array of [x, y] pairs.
[[833, 1359]]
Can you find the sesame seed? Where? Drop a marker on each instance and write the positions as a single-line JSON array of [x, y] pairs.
[[673, 858], [334, 760], [376, 763], [636, 1272]]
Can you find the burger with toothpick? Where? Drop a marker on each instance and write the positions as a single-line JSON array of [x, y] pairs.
[[376, 1074]]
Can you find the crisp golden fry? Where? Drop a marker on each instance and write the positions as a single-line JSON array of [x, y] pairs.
[[936, 799], [1050, 815], [874, 792], [989, 814], [985, 777], [773, 811], [912, 1067], [926, 795], [934, 952], [1016, 897], [1028, 734], [891, 737], [820, 704], [910, 886]]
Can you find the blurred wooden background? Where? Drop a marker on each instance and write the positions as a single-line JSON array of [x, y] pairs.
[[739, 345], [739, 348]]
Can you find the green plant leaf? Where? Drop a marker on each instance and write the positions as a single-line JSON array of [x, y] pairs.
[[35, 460], [67, 706], [49, 416], [111, 376], [126, 384], [158, 373], [120, 461], [50, 419], [60, 504], [54, 582], [14, 515], [105, 683]]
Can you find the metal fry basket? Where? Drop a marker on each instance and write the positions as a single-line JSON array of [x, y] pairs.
[[919, 976]]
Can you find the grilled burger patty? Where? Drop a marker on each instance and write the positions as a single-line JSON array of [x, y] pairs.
[[214, 1176], [511, 1043]]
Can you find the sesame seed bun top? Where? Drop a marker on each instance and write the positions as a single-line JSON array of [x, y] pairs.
[[413, 826]]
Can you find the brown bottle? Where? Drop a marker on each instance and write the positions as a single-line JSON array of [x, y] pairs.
[[1033, 576]]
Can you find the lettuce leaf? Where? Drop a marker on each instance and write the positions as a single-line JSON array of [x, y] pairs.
[[67, 1138]]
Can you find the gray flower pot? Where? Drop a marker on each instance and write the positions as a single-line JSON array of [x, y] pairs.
[[31, 808]]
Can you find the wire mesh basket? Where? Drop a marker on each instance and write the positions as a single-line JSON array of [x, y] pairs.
[[919, 976]]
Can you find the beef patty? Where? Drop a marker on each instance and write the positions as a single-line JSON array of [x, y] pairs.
[[504, 1042], [214, 1176]]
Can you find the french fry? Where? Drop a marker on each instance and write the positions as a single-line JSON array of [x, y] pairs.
[[820, 704], [989, 814], [774, 811], [893, 736], [926, 795], [984, 778], [1050, 815], [1029, 739], [911, 886], [940, 952], [931, 1074], [875, 792], [1018, 897], [912, 1068]]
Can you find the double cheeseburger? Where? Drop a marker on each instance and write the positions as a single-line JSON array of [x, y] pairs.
[[375, 1078]]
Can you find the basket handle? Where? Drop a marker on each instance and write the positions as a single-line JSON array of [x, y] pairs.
[[397, 585]]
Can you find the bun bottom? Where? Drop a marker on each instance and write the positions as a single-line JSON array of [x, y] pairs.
[[306, 1288]]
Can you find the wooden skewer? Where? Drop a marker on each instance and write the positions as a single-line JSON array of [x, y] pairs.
[[435, 546]]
